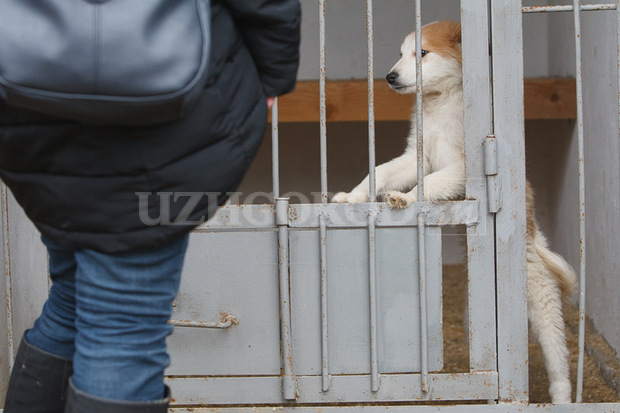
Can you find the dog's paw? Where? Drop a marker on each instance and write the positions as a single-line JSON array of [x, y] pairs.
[[350, 197], [398, 200]]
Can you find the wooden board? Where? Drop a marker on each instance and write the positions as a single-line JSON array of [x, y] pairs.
[[347, 101]]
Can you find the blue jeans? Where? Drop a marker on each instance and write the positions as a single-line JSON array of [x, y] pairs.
[[109, 313]]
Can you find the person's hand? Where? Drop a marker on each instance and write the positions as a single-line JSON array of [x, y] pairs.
[[270, 101]]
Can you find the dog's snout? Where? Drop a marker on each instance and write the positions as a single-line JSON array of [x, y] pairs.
[[391, 77]]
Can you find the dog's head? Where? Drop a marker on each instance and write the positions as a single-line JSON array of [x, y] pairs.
[[441, 59]]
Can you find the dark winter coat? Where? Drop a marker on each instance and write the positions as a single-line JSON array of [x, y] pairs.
[[88, 187]]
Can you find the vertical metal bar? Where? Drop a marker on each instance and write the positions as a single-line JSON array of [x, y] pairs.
[[418, 98], [582, 202], [371, 101], [7, 272], [275, 150], [325, 379], [372, 279], [425, 382], [618, 56], [478, 123], [511, 270], [372, 190], [322, 103], [289, 390], [420, 189]]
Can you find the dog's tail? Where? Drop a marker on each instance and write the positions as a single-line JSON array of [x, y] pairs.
[[556, 265]]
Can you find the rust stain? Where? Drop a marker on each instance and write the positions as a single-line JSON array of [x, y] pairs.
[[226, 317]]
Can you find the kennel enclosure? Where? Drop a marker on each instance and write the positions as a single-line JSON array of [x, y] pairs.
[[312, 306]]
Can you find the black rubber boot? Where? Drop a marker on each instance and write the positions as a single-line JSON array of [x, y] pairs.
[[80, 402], [39, 381]]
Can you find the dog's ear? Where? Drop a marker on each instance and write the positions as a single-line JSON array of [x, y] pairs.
[[455, 36]]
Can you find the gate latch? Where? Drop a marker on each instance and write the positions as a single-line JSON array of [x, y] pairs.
[[494, 183]]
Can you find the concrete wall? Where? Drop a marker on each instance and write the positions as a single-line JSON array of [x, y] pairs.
[[27, 266], [602, 159], [553, 162]]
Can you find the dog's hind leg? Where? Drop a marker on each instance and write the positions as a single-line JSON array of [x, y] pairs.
[[547, 324]]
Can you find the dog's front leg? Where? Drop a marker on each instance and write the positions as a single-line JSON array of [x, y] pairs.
[[447, 183], [399, 173]]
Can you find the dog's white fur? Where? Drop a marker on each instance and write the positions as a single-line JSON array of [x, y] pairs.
[[549, 275]]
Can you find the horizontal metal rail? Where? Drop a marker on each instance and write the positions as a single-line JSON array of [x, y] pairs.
[[554, 9], [476, 408], [262, 217], [402, 387]]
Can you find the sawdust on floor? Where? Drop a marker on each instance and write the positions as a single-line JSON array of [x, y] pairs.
[[456, 353]]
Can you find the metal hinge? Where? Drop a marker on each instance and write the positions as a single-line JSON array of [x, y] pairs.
[[494, 183]]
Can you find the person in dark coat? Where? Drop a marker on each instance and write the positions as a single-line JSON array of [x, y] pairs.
[[111, 205]]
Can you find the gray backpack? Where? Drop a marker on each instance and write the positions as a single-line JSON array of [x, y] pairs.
[[104, 61]]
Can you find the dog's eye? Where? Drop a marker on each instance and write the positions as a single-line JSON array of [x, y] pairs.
[[424, 52]]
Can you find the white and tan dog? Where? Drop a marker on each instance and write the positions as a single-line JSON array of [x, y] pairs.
[[549, 275]]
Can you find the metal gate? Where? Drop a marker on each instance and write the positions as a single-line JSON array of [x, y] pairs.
[[337, 307], [341, 303], [324, 304]]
